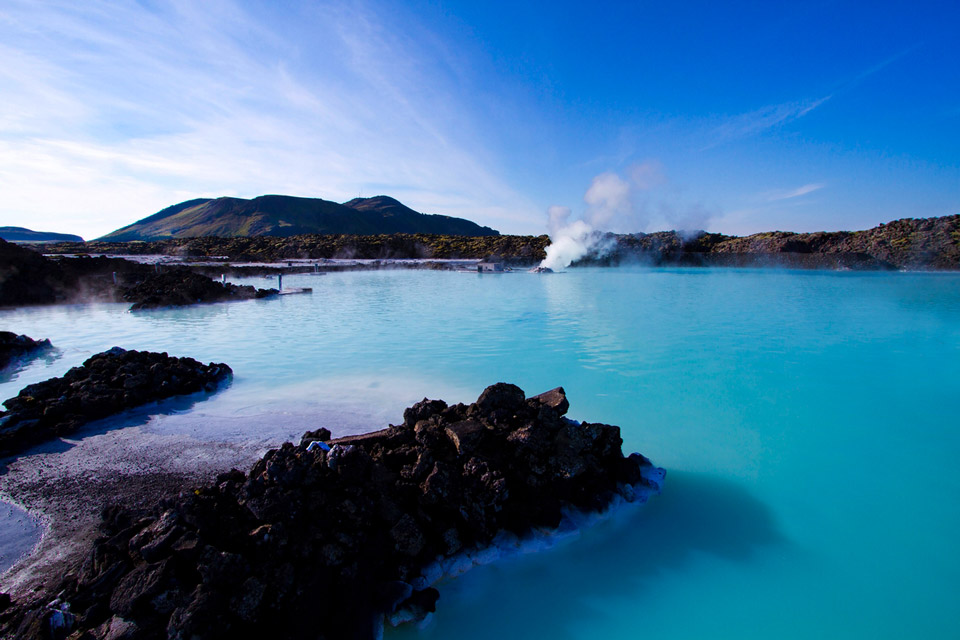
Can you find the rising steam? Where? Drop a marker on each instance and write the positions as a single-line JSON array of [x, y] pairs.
[[568, 243], [614, 203], [609, 196]]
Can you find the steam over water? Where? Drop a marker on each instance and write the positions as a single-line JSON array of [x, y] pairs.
[[808, 423], [617, 203]]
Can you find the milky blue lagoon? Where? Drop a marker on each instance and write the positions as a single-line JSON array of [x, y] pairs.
[[808, 422]]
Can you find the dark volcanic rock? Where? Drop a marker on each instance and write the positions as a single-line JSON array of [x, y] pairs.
[[181, 286], [28, 278], [909, 243], [13, 346], [511, 249], [329, 538], [105, 384]]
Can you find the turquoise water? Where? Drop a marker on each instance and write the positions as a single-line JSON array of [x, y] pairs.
[[807, 420]]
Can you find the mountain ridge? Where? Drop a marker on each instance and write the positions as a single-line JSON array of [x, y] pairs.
[[285, 216], [24, 235]]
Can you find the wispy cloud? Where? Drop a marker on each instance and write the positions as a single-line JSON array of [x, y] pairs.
[[766, 118], [755, 122], [866, 73], [794, 193], [113, 111]]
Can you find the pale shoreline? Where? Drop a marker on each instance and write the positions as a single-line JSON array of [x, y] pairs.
[[64, 484], [141, 455], [20, 533]]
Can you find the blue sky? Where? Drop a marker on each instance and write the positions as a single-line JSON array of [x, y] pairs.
[[639, 116]]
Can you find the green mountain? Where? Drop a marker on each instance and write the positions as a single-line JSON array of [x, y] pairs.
[[19, 234], [286, 216]]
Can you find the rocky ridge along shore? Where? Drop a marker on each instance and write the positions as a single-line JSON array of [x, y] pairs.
[[14, 347], [330, 538], [105, 384], [908, 243]]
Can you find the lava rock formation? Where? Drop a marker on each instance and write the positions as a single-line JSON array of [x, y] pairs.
[[327, 538], [106, 383]]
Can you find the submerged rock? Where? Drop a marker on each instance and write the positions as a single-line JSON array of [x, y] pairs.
[[13, 347], [330, 541], [105, 384]]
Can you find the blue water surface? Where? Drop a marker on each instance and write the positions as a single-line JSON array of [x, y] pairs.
[[807, 420]]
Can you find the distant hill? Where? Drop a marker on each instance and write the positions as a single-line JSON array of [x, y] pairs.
[[19, 234], [285, 216]]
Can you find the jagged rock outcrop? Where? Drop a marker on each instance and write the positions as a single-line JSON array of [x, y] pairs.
[[327, 538], [105, 384], [13, 347], [180, 286]]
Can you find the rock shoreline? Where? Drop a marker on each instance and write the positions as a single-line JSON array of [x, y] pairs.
[[29, 278], [352, 530], [908, 243], [180, 286], [105, 384]]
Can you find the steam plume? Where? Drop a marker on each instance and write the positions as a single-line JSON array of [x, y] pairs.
[[615, 203], [569, 243]]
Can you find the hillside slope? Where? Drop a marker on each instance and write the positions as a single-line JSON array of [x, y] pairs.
[[284, 216], [403, 219]]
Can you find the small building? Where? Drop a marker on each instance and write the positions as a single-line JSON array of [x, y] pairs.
[[489, 267]]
